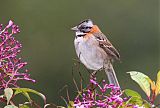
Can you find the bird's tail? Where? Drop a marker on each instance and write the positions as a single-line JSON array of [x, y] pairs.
[[111, 75]]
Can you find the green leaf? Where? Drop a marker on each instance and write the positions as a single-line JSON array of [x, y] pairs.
[[132, 93], [10, 106], [23, 106], [25, 92], [19, 90], [147, 105], [157, 91], [136, 101], [71, 103], [8, 92], [142, 80], [27, 96]]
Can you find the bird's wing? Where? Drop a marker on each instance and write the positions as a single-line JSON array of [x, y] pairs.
[[106, 45]]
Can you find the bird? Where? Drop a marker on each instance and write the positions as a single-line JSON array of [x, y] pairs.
[[94, 49]]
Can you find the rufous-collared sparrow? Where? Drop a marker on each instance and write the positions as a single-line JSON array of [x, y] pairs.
[[94, 49]]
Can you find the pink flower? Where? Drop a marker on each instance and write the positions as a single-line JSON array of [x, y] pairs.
[[95, 96], [10, 64], [9, 24]]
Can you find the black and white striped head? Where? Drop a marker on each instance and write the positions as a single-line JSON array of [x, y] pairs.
[[83, 27]]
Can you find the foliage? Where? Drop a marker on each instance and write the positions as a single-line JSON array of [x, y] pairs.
[[10, 64], [11, 69], [102, 95], [94, 95], [151, 88]]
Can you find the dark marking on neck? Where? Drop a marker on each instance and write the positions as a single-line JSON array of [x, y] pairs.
[[81, 35]]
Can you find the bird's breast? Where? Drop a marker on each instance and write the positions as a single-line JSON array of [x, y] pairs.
[[89, 52]]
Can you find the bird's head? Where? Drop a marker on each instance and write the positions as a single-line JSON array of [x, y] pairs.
[[83, 27]]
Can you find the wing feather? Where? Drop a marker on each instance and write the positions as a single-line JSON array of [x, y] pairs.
[[106, 45]]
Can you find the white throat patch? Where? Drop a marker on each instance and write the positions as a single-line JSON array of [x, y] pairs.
[[80, 33]]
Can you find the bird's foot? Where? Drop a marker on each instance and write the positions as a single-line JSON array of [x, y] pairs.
[[93, 75]]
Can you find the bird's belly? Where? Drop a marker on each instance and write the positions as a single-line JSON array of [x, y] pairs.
[[91, 56]]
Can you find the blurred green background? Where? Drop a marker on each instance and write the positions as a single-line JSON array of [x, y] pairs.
[[47, 40]]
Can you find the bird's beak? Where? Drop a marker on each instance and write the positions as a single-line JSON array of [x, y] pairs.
[[74, 28]]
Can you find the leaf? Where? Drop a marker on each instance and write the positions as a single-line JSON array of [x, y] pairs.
[[10, 106], [132, 93], [23, 106], [27, 96], [147, 105], [142, 80], [152, 83], [19, 90], [157, 91], [8, 92], [25, 92], [136, 101], [71, 103]]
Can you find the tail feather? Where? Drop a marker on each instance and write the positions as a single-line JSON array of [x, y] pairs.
[[111, 75]]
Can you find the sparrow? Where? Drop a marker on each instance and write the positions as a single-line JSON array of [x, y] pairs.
[[94, 49]]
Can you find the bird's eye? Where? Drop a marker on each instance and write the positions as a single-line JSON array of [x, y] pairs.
[[82, 27], [86, 27]]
